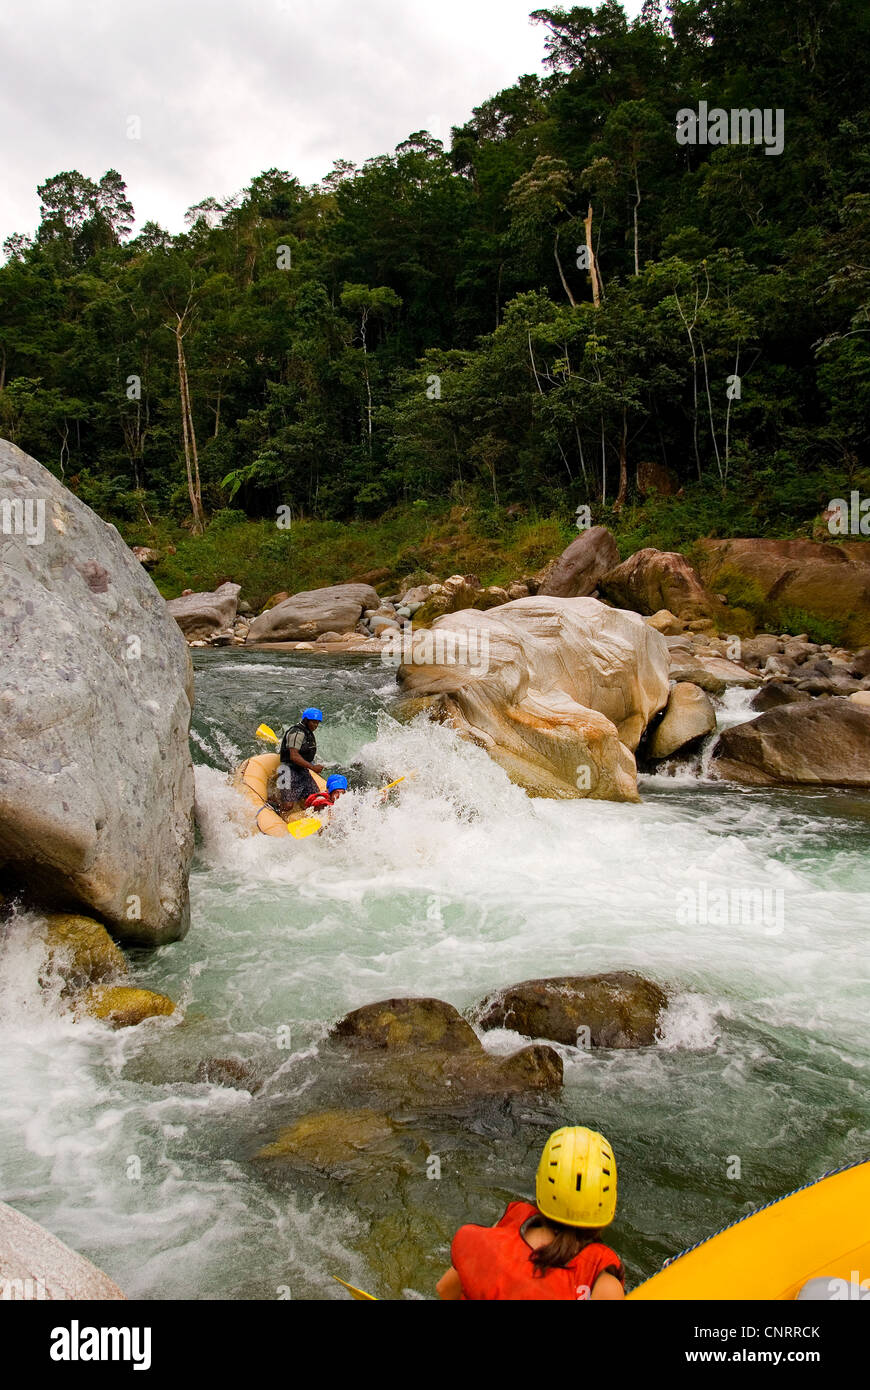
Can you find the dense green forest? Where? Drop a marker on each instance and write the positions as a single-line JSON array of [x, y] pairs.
[[566, 307]]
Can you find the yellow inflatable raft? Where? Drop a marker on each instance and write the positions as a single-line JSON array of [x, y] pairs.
[[821, 1231], [252, 780]]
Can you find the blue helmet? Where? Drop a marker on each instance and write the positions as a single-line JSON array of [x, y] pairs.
[[336, 783], [313, 714]]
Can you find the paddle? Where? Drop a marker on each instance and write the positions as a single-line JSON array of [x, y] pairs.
[[358, 1294], [270, 736]]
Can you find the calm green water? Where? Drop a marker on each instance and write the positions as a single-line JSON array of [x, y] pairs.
[[460, 885]]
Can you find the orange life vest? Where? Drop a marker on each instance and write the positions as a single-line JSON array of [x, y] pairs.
[[495, 1263]]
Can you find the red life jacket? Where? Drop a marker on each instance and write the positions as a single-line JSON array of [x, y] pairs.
[[495, 1263], [317, 801]]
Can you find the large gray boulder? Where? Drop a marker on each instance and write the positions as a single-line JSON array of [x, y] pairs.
[[35, 1265], [578, 569], [96, 782], [200, 616], [815, 743], [337, 608]]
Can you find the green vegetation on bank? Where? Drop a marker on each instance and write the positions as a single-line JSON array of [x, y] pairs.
[[543, 315], [429, 538]]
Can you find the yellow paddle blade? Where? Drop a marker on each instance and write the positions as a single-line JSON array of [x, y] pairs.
[[356, 1293], [269, 734], [301, 829], [390, 785]]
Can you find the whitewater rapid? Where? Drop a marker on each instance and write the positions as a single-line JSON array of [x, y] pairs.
[[458, 885]]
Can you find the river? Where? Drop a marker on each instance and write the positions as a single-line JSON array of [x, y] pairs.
[[459, 885]]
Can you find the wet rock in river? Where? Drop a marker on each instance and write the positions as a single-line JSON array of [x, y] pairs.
[[620, 1009]]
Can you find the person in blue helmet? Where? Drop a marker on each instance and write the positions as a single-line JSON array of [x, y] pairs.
[[298, 760], [336, 786]]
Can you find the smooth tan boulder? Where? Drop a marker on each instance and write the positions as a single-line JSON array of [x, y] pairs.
[[35, 1265], [575, 574], [558, 691], [821, 743], [619, 1009], [861, 697], [667, 623], [123, 1006], [689, 715], [653, 579]]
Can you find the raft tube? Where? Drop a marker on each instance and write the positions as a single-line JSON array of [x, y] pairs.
[[252, 780], [821, 1231]]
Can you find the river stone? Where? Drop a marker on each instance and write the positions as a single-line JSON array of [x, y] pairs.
[[398, 1023], [36, 1265], [620, 1009], [654, 579], [860, 663], [712, 673], [336, 1142], [754, 651], [433, 607], [775, 693], [861, 697], [668, 624], [814, 743], [557, 690], [575, 574], [96, 781], [146, 555], [80, 950], [689, 716], [422, 1051], [202, 616], [492, 597], [122, 1006], [335, 608]]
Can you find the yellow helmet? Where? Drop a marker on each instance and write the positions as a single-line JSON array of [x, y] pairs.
[[576, 1180]]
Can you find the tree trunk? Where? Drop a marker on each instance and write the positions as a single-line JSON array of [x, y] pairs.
[[593, 264], [571, 298], [191, 460], [623, 466], [636, 206]]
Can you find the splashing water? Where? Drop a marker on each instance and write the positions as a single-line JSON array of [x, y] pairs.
[[458, 884]]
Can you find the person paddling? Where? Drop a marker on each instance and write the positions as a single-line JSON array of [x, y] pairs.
[[551, 1250], [294, 783]]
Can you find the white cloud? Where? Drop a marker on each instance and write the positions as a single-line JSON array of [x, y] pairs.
[[227, 88]]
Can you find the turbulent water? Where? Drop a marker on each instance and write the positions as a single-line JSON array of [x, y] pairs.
[[458, 885]]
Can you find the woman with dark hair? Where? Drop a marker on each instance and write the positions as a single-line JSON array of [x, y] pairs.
[[551, 1250]]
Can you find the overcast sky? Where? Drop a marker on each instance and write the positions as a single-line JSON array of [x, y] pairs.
[[227, 88]]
